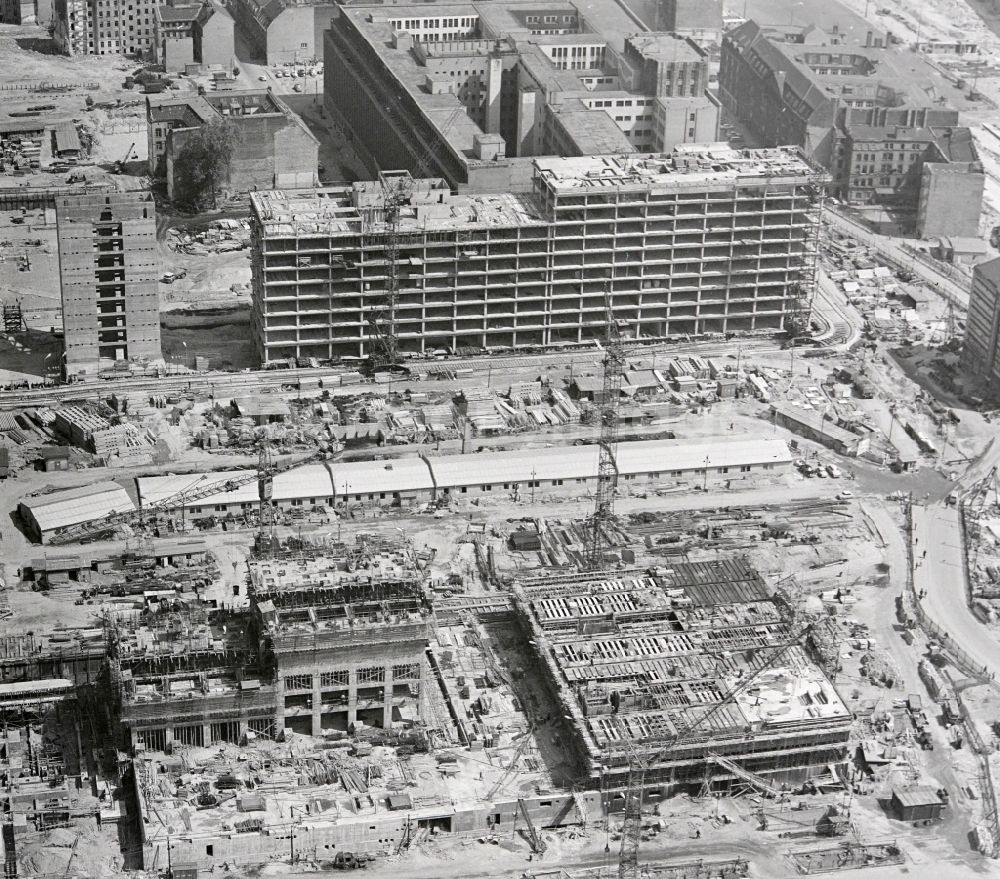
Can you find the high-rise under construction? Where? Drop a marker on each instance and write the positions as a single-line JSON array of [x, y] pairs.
[[704, 239]]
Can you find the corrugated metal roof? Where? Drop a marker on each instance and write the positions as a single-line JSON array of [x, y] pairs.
[[917, 796], [312, 480], [656, 456], [371, 477], [497, 468], [64, 508], [67, 138]]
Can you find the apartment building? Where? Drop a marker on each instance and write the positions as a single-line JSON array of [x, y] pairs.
[[200, 33], [173, 35], [105, 27], [472, 91], [981, 350], [283, 31], [702, 240], [108, 270], [860, 109], [274, 148]]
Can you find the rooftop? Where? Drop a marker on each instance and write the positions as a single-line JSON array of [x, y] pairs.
[[433, 207], [672, 644], [178, 13], [60, 509], [332, 211], [692, 164]]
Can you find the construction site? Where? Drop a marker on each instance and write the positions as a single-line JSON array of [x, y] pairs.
[[634, 520], [664, 620]]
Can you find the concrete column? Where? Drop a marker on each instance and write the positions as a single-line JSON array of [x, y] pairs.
[[352, 697], [387, 698], [206, 734], [279, 706], [317, 697]]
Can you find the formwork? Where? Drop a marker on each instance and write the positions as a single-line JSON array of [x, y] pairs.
[[644, 663]]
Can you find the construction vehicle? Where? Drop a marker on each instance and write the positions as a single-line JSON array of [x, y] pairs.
[[638, 766], [119, 166], [202, 486]]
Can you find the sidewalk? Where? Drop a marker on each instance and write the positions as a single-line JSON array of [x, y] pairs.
[[939, 576]]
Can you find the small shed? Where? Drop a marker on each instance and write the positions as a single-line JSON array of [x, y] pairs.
[[918, 804], [263, 410], [54, 458], [400, 802], [525, 541], [66, 140]]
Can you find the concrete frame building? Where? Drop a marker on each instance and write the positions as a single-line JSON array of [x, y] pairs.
[[703, 240], [981, 351], [343, 654], [108, 271], [647, 657], [855, 109], [275, 148], [320, 649], [105, 27], [470, 91]]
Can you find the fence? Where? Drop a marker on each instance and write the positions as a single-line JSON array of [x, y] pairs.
[[965, 664], [48, 86]]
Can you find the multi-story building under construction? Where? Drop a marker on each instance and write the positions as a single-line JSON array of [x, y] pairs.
[[108, 269], [694, 671], [705, 239], [319, 649]]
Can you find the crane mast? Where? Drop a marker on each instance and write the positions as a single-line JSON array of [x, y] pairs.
[[397, 190], [628, 857], [608, 412]]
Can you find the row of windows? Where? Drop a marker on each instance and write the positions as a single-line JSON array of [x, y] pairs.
[[549, 19], [412, 24]]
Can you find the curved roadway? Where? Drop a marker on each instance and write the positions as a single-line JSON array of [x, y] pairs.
[[940, 578]]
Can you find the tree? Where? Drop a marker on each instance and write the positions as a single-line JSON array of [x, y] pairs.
[[203, 163]]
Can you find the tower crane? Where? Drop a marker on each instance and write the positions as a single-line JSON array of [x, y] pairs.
[[397, 190], [638, 765], [607, 466], [202, 486]]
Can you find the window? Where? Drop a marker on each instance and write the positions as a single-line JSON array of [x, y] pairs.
[[407, 671], [334, 678]]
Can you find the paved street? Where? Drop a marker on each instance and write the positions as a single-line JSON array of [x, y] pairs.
[[892, 250], [941, 575]]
